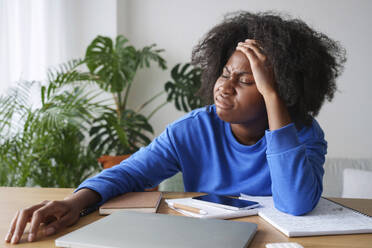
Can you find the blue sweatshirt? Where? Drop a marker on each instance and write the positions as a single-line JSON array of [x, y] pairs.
[[286, 163]]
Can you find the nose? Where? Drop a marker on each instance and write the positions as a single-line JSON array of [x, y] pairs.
[[226, 87]]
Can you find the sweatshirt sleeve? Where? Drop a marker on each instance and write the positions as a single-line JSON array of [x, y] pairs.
[[144, 169], [296, 167]]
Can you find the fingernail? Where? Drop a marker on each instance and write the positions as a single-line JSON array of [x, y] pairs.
[[14, 239], [49, 231], [31, 237], [7, 237]]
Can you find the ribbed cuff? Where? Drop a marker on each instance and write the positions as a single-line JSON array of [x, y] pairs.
[[282, 139]]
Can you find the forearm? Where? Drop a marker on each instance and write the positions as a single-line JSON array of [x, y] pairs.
[[296, 168], [296, 182], [277, 112]]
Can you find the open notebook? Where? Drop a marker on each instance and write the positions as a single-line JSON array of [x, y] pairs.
[[328, 218]]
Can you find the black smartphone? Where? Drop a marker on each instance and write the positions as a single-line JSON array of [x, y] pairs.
[[226, 202]]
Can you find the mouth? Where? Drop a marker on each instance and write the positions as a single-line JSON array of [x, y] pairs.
[[222, 103]]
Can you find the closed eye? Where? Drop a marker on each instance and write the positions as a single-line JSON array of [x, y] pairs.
[[246, 83], [225, 75]]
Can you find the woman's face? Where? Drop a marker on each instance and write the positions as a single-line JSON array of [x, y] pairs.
[[235, 93]]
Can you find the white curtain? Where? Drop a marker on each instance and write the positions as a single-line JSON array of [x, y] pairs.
[[32, 38]]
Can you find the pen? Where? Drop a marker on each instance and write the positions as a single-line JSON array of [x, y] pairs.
[[188, 208]]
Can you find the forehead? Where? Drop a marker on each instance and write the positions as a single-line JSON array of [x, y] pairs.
[[238, 62]]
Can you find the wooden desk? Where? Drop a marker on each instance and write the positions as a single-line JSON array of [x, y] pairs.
[[13, 199]]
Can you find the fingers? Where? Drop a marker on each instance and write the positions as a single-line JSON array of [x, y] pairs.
[[252, 48], [52, 210], [19, 223], [249, 53], [12, 227], [59, 224], [58, 214], [261, 68], [255, 44]]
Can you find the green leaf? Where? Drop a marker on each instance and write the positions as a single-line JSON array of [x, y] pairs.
[[148, 54], [186, 82], [122, 136], [115, 67]]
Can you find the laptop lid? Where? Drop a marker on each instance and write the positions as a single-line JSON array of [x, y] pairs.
[[135, 229]]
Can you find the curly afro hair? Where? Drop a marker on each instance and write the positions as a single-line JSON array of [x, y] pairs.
[[305, 62]]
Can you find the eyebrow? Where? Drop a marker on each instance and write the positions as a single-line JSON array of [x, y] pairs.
[[240, 73]]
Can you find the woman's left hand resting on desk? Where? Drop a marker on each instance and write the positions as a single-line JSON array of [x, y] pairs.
[[55, 215]]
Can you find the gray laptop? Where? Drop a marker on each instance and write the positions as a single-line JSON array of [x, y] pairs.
[[134, 229]]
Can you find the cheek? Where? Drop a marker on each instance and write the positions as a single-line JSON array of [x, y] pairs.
[[216, 85], [252, 102], [258, 98]]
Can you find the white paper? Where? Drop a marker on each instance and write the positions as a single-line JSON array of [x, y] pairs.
[[212, 212], [326, 219]]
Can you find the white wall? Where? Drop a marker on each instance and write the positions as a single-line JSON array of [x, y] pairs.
[[178, 25], [85, 19]]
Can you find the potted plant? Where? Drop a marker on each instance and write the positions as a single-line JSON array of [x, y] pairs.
[[57, 134], [113, 66]]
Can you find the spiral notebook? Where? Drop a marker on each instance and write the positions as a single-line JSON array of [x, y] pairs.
[[327, 218]]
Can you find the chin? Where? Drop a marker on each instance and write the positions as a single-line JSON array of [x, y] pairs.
[[226, 116], [236, 117]]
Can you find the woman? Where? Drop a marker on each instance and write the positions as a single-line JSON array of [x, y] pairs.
[[268, 77]]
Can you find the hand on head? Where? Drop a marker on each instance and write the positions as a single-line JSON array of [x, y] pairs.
[[262, 72], [52, 216]]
